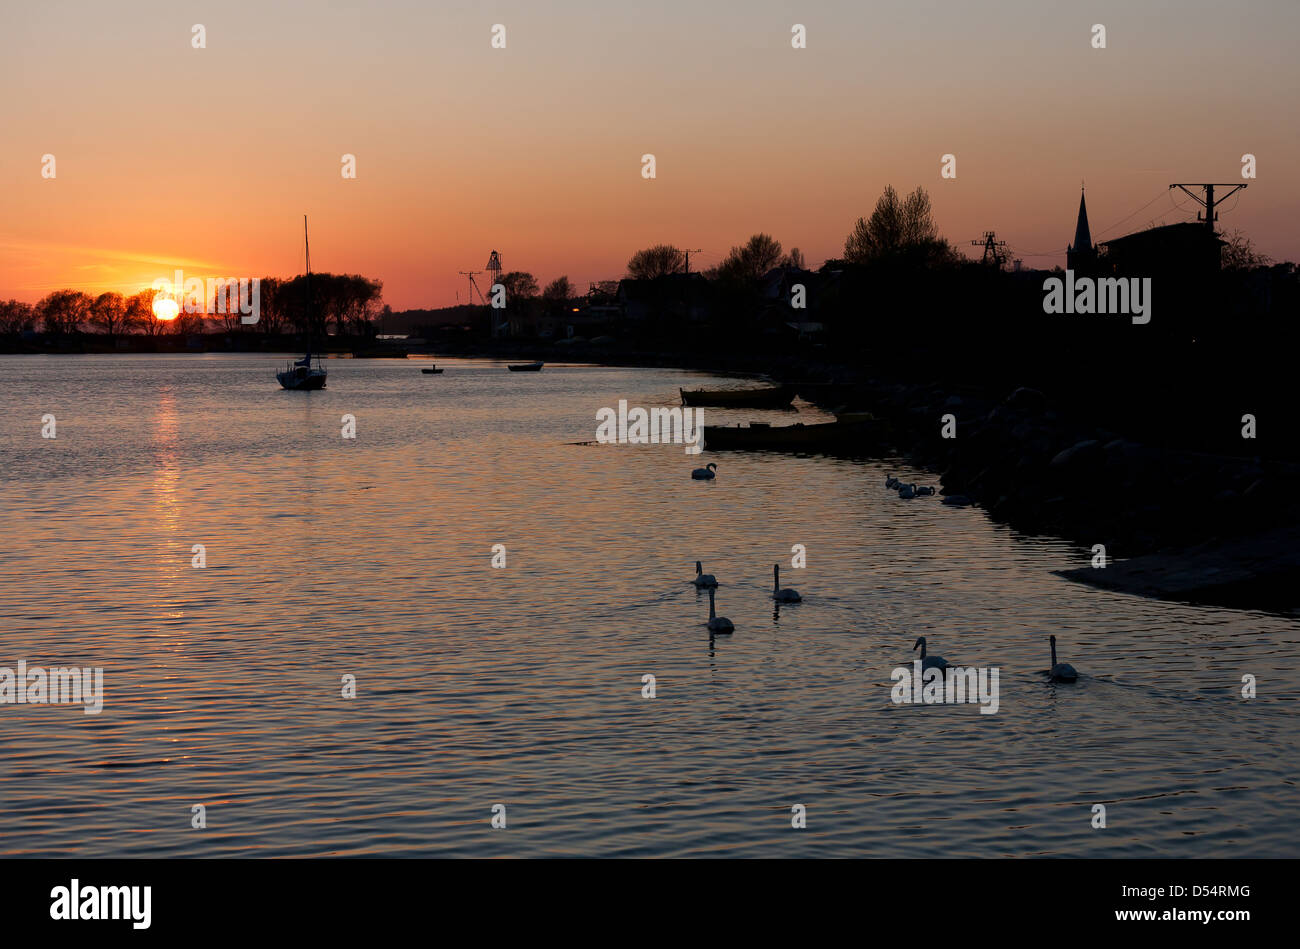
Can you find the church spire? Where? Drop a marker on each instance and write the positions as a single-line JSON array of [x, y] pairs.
[[1081, 255], [1082, 236]]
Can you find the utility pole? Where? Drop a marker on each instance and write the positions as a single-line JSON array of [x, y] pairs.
[[1208, 202], [469, 294], [688, 259], [992, 249], [472, 285]]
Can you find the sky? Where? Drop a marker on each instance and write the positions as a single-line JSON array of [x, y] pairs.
[[170, 157]]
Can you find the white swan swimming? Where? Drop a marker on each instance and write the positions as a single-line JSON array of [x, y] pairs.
[[703, 579], [718, 624], [929, 662], [1061, 671], [705, 473], [782, 596]]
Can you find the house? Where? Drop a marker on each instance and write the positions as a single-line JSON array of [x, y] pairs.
[[793, 297], [686, 296], [1183, 248], [779, 283]]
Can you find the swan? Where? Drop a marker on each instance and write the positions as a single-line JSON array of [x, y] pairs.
[[718, 624], [782, 596], [892, 483], [924, 492], [705, 473], [907, 491], [703, 579], [1061, 671], [929, 662]]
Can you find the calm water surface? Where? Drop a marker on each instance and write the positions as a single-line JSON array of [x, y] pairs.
[[522, 686]]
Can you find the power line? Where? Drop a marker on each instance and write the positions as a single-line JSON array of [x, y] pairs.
[[1180, 207], [1134, 214], [1046, 253]]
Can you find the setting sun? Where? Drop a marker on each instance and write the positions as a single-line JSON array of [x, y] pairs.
[[165, 309]]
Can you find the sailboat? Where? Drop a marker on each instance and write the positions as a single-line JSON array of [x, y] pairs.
[[301, 374]]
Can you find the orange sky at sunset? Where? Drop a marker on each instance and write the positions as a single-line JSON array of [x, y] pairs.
[[206, 159]]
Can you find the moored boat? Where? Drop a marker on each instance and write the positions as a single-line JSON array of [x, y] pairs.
[[770, 397], [866, 434], [302, 374], [526, 367]]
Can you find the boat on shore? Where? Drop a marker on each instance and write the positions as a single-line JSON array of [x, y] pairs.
[[526, 367], [859, 432], [302, 375], [768, 397]]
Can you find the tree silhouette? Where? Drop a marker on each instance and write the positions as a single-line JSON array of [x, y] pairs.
[[16, 316], [138, 311], [654, 262], [271, 318], [897, 228], [108, 313], [1239, 253], [751, 260], [520, 285], [558, 290], [63, 311]]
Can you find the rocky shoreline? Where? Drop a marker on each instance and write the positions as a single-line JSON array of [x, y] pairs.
[[1175, 524]]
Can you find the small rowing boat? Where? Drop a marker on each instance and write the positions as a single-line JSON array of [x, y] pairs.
[[768, 397]]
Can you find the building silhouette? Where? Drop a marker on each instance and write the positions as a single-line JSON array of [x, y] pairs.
[[1186, 250]]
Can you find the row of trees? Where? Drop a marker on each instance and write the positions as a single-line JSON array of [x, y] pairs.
[[897, 228], [69, 311], [350, 305]]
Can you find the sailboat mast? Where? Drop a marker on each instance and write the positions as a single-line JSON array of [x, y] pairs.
[[310, 315]]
